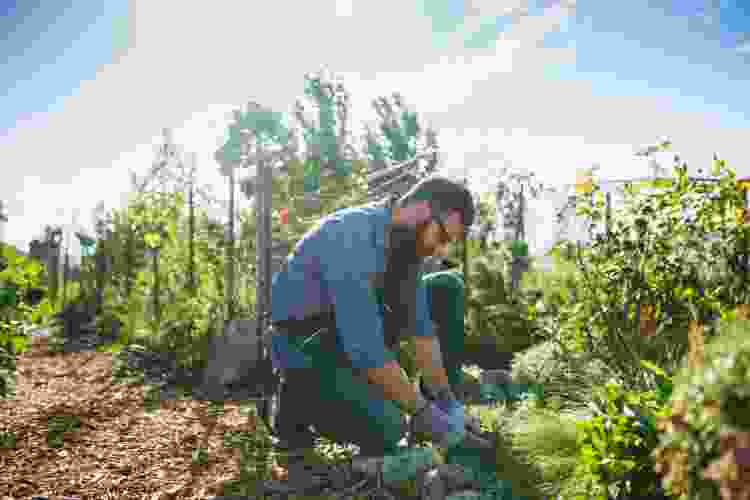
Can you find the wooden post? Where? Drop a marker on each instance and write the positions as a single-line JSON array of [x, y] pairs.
[[648, 324], [191, 237], [157, 301], [743, 312], [608, 218], [229, 280], [696, 345]]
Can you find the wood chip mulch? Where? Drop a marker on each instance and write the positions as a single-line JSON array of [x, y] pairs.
[[119, 450]]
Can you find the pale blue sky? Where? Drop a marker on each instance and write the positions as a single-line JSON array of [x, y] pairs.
[[544, 85]]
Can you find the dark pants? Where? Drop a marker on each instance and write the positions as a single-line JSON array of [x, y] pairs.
[[339, 404], [342, 405]]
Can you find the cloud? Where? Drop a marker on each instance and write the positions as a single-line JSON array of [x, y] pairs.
[[190, 62]]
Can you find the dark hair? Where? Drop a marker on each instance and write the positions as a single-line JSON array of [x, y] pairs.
[[444, 195]]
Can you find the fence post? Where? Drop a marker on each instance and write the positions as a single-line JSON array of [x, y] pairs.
[[608, 216]]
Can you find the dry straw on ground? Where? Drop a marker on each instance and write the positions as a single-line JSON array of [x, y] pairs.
[[119, 450]]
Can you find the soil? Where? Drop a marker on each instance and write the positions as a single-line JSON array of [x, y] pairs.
[[118, 449]]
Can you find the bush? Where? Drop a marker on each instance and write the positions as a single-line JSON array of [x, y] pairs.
[[557, 286], [508, 319], [704, 446], [20, 306], [677, 251], [566, 377], [615, 446]]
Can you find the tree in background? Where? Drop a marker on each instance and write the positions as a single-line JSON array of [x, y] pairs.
[[323, 114], [330, 164], [398, 136], [514, 189], [46, 248], [487, 219]]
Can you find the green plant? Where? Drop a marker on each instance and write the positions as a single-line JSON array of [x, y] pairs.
[[546, 439], [679, 250], [7, 440], [493, 312], [567, 377], [557, 286], [19, 276], [515, 462], [702, 441], [58, 427], [615, 446]]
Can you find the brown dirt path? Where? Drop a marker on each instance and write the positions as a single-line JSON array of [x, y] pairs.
[[119, 451]]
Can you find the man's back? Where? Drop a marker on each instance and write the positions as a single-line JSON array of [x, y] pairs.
[[337, 267], [347, 238]]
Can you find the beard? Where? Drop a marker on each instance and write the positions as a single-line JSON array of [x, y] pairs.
[[400, 283]]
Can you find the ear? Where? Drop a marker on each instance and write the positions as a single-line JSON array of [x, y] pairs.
[[454, 217], [415, 213]]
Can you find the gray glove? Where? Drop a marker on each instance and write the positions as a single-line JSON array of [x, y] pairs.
[[445, 429]]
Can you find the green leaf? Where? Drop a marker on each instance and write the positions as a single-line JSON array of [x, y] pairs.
[[651, 366], [153, 240]]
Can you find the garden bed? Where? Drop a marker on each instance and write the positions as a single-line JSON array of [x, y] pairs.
[[80, 434]]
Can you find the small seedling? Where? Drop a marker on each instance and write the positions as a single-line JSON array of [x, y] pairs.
[[7, 440], [200, 456], [58, 426], [152, 399]]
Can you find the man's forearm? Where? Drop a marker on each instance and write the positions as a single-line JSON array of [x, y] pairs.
[[397, 387], [429, 361]]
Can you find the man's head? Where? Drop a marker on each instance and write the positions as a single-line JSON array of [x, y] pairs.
[[439, 210]]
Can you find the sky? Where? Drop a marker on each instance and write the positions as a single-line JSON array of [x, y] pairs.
[[549, 86]]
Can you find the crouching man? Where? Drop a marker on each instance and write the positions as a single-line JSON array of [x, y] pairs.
[[350, 291]]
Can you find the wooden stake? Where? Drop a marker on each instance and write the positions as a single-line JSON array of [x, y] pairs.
[[743, 312], [696, 345], [648, 324]]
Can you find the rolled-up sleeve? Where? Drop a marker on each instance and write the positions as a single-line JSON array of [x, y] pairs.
[[347, 265]]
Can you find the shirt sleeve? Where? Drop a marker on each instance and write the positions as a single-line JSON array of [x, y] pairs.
[[346, 264]]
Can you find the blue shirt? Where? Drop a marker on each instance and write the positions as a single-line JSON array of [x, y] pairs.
[[335, 265]]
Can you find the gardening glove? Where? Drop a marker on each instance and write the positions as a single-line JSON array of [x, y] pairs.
[[446, 401], [447, 430]]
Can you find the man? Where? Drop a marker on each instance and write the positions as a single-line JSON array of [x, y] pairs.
[[349, 293]]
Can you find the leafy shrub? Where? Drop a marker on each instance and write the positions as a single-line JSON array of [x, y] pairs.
[[615, 446], [20, 306], [495, 313], [187, 327], [704, 446], [557, 286], [678, 250]]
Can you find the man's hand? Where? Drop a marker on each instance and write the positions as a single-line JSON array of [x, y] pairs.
[[446, 401], [394, 382], [444, 429], [429, 361]]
